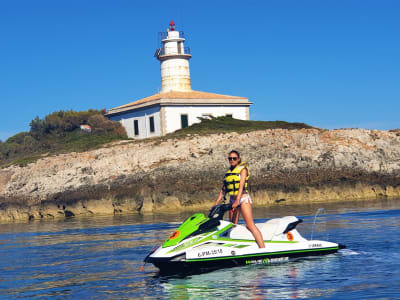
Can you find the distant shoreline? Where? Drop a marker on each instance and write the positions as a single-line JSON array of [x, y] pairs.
[[259, 210]]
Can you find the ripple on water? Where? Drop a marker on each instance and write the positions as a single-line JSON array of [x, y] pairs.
[[100, 258]]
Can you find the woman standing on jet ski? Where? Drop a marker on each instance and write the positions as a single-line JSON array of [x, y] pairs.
[[236, 185]]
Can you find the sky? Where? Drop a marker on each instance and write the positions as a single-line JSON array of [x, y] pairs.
[[330, 64]]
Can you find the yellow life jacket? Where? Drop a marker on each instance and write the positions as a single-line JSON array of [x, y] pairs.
[[232, 180]]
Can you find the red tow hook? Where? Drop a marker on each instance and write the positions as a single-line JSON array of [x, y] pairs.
[[141, 269]]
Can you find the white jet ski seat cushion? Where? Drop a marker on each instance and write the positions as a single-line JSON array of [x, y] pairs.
[[269, 229]]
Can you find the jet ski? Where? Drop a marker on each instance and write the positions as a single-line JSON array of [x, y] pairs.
[[203, 244]]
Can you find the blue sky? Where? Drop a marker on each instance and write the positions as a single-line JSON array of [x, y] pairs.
[[331, 64]]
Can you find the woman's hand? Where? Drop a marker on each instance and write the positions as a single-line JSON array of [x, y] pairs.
[[235, 205], [219, 198]]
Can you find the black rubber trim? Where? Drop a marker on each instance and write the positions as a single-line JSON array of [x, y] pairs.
[[292, 226]]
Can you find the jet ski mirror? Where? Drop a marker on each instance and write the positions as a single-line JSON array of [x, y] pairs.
[[217, 212]]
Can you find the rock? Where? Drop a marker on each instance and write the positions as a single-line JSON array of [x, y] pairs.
[[5, 176], [147, 205], [163, 175]]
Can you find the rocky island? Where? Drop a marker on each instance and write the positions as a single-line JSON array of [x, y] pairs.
[[286, 166]]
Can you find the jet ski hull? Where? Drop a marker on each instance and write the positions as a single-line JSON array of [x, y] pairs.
[[175, 266]]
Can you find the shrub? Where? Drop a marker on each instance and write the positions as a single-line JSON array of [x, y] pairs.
[[60, 132]]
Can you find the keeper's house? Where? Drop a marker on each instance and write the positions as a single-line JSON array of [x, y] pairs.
[[177, 105]]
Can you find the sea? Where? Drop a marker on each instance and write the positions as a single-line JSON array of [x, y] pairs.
[[102, 258]]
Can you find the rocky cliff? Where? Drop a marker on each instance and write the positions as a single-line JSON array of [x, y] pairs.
[[286, 166]]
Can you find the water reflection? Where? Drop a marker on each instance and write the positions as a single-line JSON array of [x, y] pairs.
[[261, 213], [283, 281]]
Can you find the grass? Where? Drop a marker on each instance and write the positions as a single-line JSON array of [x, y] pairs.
[[22, 162], [75, 141], [228, 124], [78, 141]]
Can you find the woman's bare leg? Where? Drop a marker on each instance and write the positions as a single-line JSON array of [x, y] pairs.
[[248, 218], [234, 215]]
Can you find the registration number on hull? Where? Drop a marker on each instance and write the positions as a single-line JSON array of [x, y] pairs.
[[211, 252], [205, 253]]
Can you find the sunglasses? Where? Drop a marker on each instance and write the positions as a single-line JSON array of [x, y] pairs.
[[232, 158]]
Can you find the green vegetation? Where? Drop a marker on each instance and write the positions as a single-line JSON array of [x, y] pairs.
[[228, 124], [60, 132]]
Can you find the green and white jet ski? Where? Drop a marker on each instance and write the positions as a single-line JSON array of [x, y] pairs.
[[203, 244]]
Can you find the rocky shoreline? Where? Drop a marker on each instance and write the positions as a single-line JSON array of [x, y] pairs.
[[286, 166]]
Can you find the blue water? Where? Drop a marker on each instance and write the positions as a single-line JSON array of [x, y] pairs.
[[100, 258]]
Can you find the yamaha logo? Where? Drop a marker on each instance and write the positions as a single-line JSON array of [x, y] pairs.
[[233, 252]]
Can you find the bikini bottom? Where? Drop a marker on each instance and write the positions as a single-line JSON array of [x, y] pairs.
[[245, 199]]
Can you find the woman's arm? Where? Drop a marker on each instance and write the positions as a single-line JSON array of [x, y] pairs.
[[243, 175], [220, 195]]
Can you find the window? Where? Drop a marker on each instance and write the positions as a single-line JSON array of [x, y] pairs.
[[184, 121], [136, 126], [151, 120], [229, 115]]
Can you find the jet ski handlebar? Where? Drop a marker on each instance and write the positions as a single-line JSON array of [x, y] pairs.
[[217, 212]]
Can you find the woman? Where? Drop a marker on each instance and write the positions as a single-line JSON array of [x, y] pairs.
[[236, 185]]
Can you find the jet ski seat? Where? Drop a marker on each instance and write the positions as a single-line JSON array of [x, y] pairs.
[[269, 229]]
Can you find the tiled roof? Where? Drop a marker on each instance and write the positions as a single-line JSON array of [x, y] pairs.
[[180, 95]]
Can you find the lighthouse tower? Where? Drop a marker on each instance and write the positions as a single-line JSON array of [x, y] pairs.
[[174, 61]]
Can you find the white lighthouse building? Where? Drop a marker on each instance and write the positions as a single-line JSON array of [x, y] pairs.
[[176, 106]]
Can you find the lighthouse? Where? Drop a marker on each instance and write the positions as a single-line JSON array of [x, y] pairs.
[[176, 105], [174, 61]]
